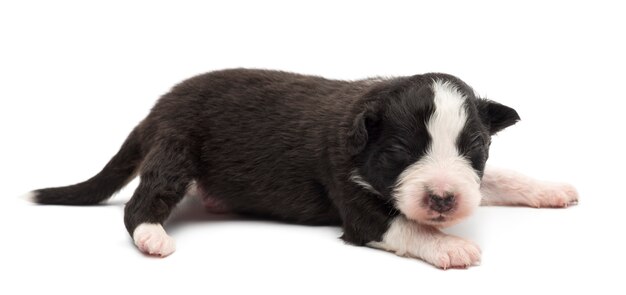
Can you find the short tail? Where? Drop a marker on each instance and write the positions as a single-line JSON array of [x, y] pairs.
[[120, 170]]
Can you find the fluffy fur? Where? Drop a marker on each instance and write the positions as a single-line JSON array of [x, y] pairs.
[[389, 160], [151, 239], [442, 172], [525, 191], [408, 238]]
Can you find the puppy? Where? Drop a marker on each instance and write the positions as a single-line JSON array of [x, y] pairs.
[[389, 160]]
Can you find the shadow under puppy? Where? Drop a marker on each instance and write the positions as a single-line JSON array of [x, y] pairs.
[[390, 160]]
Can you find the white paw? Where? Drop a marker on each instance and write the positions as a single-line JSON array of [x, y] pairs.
[[152, 239], [452, 252], [554, 195]]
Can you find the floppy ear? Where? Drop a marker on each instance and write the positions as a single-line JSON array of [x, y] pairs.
[[362, 128], [496, 116]]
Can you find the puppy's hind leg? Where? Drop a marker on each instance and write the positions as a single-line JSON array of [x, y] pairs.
[[507, 188], [166, 173]]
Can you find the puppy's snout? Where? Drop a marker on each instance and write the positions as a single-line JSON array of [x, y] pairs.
[[441, 204]]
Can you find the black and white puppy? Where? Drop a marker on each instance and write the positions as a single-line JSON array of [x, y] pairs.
[[390, 160]]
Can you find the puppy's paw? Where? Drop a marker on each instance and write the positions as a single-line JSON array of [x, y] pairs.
[[554, 195], [152, 239], [452, 252]]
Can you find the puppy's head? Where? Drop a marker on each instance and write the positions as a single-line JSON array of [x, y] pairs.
[[422, 143]]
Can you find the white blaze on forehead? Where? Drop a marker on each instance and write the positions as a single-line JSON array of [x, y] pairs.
[[447, 121], [442, 169]]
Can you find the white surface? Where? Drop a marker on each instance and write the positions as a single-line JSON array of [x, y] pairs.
[[76, 77]]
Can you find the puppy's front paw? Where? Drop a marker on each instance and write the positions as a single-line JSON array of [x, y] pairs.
[[554, 195], [153, 240], [452, 252]]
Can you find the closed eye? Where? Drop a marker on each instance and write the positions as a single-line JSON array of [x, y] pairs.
[[477, 142], [396, 154], [397, 149]]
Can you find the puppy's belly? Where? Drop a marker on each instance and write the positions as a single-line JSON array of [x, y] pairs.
[[304, 206], [214, 205], [211, 203]]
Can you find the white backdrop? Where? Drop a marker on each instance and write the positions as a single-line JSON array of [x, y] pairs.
[[76, 77]]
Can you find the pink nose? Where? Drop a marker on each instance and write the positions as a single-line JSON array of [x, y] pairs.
[[441, 204]]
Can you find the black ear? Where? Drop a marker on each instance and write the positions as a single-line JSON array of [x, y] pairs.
[[362, 128], [496, 116]]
